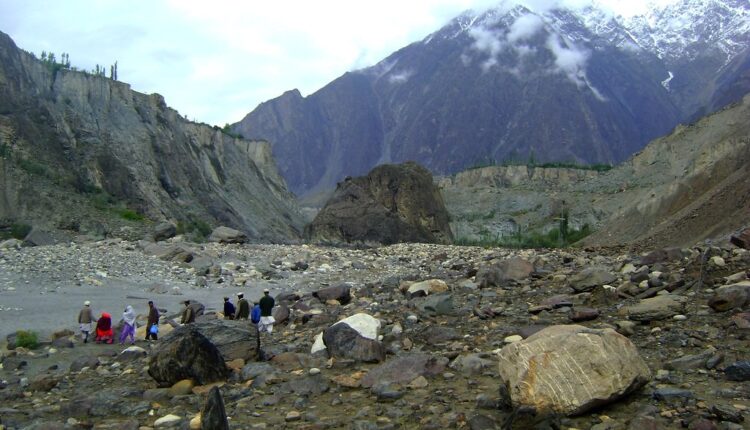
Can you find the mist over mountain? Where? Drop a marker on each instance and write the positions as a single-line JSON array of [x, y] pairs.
[[514, 83]]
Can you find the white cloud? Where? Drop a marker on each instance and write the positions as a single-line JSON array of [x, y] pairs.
[[569, 59], [400, 77], [524, 28], [216, 61]]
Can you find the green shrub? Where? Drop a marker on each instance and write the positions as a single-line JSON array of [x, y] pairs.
[[195, 228], [19, 230], [27, 339], [32, 167], [130, 215]]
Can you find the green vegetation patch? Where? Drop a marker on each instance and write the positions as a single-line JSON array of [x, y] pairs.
[[196, 229], [27, 339]]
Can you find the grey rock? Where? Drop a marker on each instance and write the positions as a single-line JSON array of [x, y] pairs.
[[499, 273], [164, 231], [339, 292], [186, 354], [85, 361], [669, 394], [404, 369], [591, 277], [738, 371], [38, 237], [436, 304], [656, 308], [225, 234], [694, 361], [729, 297]]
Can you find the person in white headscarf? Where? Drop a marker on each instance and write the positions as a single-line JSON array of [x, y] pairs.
[[128, 328]]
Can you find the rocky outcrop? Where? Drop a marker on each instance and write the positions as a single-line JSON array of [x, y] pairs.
[[571, 369], [393, 203], [87, 153]]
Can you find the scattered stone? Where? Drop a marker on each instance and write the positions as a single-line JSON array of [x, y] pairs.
[[571, 369], [182, 388], [499, 273], [340, 293], [224, 234], [741, 239], [167, 421], [738, 371], [591, 277], [656, 308], [404, 369], [437, 304], [729, 297], [213, 415], [164, 231], [425, 288], [583, 314]]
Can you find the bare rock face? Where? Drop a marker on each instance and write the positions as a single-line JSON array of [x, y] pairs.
[[393, 203], [92, 137], [570, 369], [187, 354]]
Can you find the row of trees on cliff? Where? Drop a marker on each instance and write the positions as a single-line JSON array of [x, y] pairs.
[[51, 61]]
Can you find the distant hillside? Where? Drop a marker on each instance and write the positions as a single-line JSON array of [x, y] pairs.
[[514, 84], [691, 185], [86, 153]]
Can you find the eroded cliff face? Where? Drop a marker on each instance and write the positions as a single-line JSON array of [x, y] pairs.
[[69, 138]]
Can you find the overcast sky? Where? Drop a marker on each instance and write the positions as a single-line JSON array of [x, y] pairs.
[[216, 61]]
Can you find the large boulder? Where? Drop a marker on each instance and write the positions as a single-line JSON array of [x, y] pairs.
[[234, 339], [393, 203], [499, 273], [227, 235], [365, 325], [185, 353], [570, 369], [343, 341]]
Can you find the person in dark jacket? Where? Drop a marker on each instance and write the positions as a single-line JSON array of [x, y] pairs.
[[243, 307], [266, 312], [228, 309], [153, 320]]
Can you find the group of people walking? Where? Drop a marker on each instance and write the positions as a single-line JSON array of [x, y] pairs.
[[103, 332], [261, 314]]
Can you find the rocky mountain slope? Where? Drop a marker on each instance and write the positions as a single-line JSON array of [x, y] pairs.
[[78, 149], [513, 83], [683, 188]]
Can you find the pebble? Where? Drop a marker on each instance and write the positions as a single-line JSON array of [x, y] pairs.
[[679, 318]]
